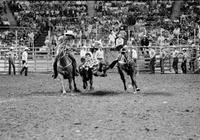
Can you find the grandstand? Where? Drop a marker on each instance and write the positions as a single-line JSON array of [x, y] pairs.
[[161, 23]]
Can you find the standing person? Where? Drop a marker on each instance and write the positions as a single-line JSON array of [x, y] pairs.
[[99, 56], [24, 62], [152, 54], [134, 54], [175, 61], [184, 61], [162, 58], [197, 71], [83, 51], [11, 60], [193, 58]]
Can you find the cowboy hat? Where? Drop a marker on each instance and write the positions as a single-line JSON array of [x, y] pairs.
[[11, 48], [99, 44], [123, 50], [60, 38], [120, 35], [70, 33], [26, 48], [125, 46]]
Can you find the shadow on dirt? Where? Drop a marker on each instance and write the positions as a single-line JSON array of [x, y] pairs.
[[44, 94], [83, 93], [100, 93], [148, 93]]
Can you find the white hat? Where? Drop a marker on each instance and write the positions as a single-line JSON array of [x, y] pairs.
[[125, 46], [69, 32], [60, 38], [11, 48], [85, 47], [26, 48], [99, 43], [120, 35]]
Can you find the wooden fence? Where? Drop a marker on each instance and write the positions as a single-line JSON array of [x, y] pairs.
[[42, 61]]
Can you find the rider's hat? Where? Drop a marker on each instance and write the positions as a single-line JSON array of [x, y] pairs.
[[184, 49], [11, 48], [123, 50], [120, 35], [26, 48], [88, 54]]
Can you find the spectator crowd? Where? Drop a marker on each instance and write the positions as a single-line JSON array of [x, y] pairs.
[[145, 23]]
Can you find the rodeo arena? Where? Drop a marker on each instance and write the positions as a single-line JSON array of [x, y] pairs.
[[100, 70]]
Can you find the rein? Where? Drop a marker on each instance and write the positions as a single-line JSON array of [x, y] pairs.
[[60, 57]]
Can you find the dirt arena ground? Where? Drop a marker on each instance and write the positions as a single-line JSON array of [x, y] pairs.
[[168, 108]]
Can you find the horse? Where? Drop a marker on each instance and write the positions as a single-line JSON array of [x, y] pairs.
[[86, 72], [129, 67], [63, 67]]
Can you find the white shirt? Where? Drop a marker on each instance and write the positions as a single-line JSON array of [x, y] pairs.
[[152, 53], [119, 41], [82, 53], [25, 56], [175, 53], [134, 54], [112, 38], [99, 54]]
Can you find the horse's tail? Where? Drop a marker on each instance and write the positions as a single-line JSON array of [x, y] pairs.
[[55, 68]]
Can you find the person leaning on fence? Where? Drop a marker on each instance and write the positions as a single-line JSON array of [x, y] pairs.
[[197, 71], [184, 61], [24, 62], [193, 56], [175, 61], [152, 54], [162, 62], [11, 60]]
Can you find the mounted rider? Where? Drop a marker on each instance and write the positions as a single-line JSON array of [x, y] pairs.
[[65, 46]]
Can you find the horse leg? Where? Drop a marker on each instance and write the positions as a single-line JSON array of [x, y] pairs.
[[63, 85], [75, 88], [70, 84], [122, 77], [84, 84], [91, 84], [134, 83]]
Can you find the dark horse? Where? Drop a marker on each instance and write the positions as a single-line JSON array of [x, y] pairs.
[[129, 67], [63, 67], [86, 73]]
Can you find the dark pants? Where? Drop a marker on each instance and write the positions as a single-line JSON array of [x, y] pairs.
[[184, 67], [24, 68], [11, 63], [162, 70], [191, 64], [152, 64], [175, 65]]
